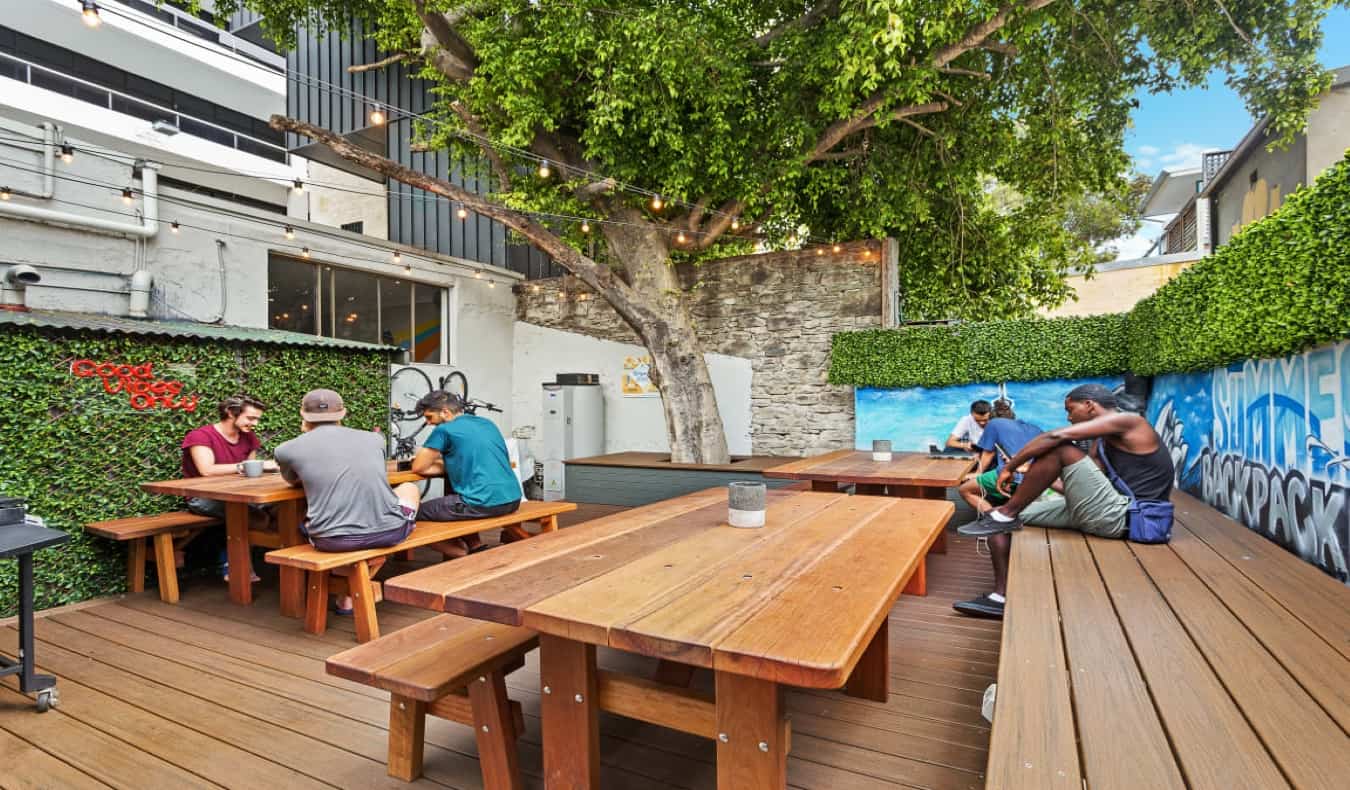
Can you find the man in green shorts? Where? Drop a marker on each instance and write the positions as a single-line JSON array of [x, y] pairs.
[[1003, 436]]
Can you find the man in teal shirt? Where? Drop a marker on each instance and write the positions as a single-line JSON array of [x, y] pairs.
[[470, 452]]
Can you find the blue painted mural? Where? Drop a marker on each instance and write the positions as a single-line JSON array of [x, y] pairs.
[[914, 417], [1268, 442]]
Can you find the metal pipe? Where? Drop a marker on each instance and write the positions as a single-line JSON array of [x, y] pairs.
[[48, 152], [140, 293], [146, 229]]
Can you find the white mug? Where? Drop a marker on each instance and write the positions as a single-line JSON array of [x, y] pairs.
[[251, 468]]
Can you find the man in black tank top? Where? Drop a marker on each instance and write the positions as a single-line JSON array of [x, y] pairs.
[[1091, 503]]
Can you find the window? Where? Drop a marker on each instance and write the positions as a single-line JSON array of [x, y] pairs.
[[333, 301], [355, 227]]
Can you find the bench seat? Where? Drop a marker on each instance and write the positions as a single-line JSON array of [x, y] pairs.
[[454, 668], [168, 532], [1217, 660], [320, 565]]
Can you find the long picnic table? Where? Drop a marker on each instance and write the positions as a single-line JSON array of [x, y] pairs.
[[238, 492], [802, 601]]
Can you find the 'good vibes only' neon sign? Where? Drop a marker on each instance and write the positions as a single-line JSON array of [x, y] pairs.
[[143, 390]]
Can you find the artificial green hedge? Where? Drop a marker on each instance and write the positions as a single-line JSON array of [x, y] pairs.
[[1280, 286], [78, 453]]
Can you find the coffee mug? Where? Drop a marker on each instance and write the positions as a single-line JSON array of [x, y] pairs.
[[251, 468], [881, 449], [745, 504]]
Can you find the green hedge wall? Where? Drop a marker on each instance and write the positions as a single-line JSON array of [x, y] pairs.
[[78, 453], [1280, 286]]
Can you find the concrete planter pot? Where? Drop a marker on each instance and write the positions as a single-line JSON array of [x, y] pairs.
[[746, 504], [881, 449]]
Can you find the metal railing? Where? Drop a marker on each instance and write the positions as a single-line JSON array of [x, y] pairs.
[[200, 28], [50, 79]]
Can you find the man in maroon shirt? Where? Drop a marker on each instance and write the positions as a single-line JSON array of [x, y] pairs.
[[219, 448]]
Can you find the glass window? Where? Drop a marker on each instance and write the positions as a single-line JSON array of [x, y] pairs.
[[396, 313], [427, 324], [292, 295], [356, 306]]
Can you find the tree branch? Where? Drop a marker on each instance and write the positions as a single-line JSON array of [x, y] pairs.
[[446, 49], [984, 75], [379, 64], [923, 129], [805, 22], [1001, 48], [1241, 33], [595, 189], [836, 156], [494, 156], [902, 113]]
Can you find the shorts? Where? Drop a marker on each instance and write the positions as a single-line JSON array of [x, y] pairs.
[[452, 508], [216, 508], [1090, 503], [370, 540], [988, 487]]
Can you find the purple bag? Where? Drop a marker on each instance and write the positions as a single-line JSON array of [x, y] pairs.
[[1149, 521]]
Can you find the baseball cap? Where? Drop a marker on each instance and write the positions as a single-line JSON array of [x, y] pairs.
[[322, 406]]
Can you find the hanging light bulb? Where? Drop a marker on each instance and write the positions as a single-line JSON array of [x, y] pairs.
[[4, 193], [407, 269], [836, 247], [299, 186], [867, 253], [377, 116], [657, 203], [585, 226], [492, 283], [478, 274], [735, 224], [463, 213], [126, 195], [398, 257], [89, 12], [290, 232], [820, 250], [534, 288], [173, 227], [304, 252], [680, 237], [67, 152], [544, 170]]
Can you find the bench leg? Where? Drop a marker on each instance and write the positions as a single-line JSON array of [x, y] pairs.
[[407, 733], [236, 545], [751, 713], [570, 712], [409, 555], [363, 603], [549, 524], [871, 676], [316, 603], [918, 583], [164, 568], [136, 565], [292, 579], [494, 726]]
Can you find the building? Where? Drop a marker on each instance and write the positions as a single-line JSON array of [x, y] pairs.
[[1203, 208]]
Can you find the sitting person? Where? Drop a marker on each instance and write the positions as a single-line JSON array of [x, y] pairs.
[[967, 431], [1002, 436], [218, 449], [1091, 502], [470, 452], [346, 484]]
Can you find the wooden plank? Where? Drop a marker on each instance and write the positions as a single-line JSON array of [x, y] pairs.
[[434, 672], [753, 463], [364, 663], [871, 676], [1032, 743], [1319, 601], [136, 566], [253, 490], [237, 551], [1214, 744], [571, 709], [363, 602], [854, 466], [407, 737], [495, 731], [1301, 652], [145, 526], [428, 588], [1127, 749], [752, 733], [680, 709], [165, 570], [814, 630], [793, 468], [1309, 747], [292, 580], [587, 611], [27, 766]]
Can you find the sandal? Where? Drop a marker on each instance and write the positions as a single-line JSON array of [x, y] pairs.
[[478, 548], [339, 610]]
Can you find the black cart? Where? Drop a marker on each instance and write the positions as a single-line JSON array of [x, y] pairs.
[[20, 541]]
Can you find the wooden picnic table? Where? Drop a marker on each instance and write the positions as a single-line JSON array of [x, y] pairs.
[[238, 492], [802, 601]]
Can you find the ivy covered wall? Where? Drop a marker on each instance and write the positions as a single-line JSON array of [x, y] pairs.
[[78, 452]]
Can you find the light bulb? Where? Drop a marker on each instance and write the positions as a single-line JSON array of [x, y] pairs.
[[679, 237], [89, 13], [126, 195], [377, 116], [290, 232], [173, 227], [492, 283], [478, 274], [820, 250], [835, 248], [398, 257], [463, 213], [67, 152], [534, 288], [304, 252], [735, 224], [585, 226], [657, 203], [4, 193], [299, 186], [407, 269], [867, 253], [544, 170]]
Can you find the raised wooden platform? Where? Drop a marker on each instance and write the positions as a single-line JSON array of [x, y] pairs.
[[635, 479], [208, 694]]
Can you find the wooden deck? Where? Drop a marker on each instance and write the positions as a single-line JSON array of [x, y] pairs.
[[208, 694]]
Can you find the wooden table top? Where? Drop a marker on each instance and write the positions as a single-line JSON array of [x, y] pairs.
[[271, 487], [795, 601], [857, 466]]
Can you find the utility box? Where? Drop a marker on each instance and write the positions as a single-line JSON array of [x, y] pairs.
[[573, 427]]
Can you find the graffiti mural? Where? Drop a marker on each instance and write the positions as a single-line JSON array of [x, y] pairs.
[[1268, 443]]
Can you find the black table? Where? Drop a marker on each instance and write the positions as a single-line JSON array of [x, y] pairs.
[[20, 541]]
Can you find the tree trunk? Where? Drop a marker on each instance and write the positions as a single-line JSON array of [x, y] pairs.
[[680, 372]]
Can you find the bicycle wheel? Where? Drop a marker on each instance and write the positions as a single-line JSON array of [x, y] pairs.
[[456, 383], [406, 387]]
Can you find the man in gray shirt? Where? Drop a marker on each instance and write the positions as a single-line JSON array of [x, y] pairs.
[[343, 472]]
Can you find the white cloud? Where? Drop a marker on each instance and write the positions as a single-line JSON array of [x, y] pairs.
[[1131, 247], [1182, 156], [1148, 150]]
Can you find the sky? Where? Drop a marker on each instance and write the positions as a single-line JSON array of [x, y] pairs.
[[1172, 130]]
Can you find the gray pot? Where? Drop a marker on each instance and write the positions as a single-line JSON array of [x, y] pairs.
[[881, 445], [745, 504]]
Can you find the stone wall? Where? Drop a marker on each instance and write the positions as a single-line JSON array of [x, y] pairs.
[[777, 309]]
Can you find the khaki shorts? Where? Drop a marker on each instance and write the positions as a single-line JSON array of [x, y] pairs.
[[1090, 504]]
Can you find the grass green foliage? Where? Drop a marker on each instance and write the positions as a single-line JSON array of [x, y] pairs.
[[78, 453], [1278, 287]]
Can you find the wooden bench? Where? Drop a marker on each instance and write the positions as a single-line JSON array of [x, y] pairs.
[[452, 667], [1218, 660], [169, 531], [319, 565]]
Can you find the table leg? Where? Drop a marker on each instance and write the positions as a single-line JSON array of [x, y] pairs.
[[870, 489], [918, 582], [571, 715], [236, 547], [292, 579], [825, 485], [752, 733], [871, 676]]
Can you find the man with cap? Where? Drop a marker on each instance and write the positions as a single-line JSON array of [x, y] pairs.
[[346, 483], [471, 453], [1091, 502]]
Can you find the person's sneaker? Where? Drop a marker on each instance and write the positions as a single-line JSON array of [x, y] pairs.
[[987, 525], [984, 606]]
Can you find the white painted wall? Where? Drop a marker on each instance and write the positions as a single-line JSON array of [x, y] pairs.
[[1328, 131], [338, 197], [631, 424]]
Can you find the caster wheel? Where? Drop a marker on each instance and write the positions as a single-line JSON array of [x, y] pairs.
[[47, 700]]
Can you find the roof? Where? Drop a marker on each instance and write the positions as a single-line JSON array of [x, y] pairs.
[[60, 319], [1170, 191]]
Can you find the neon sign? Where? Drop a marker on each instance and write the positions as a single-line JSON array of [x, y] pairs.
[[143, 390]]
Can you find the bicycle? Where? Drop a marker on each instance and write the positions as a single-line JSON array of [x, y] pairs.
[[406, 388]]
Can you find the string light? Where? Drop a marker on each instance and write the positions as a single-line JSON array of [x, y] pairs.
[[67, 153], [89, 12], [398, 257], [585, 226], [836, 247], [657, 203], [299, 186], [304, 252], [544, 170], [290, 232], [820, 250], [377, 116], [463, 213], [4, 193], [407, 269], [173, 227], [680, 237], [126, 195], [492, 283], [735, 224]]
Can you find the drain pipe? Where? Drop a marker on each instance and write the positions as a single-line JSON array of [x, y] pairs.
[[48, 151], [147, 228]]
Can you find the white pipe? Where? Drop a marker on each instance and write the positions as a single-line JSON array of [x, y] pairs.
[[146, 229], [140, 293]]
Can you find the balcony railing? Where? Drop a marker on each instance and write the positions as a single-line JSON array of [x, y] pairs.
[[200, 28], [52, 80]]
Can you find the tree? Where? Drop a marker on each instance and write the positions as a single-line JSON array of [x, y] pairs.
[[762, 120]]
